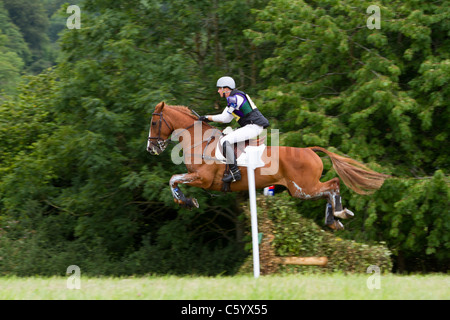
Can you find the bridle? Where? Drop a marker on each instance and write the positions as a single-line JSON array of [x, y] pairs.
[[161, 143]]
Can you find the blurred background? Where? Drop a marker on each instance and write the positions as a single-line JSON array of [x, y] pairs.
[[78, 187]]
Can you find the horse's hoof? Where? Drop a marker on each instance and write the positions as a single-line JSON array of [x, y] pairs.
[[336, 225], [195, 203], [344, 214], [349, 213], [191, 202]]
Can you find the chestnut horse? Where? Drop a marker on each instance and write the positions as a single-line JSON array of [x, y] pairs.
[[298, 169]]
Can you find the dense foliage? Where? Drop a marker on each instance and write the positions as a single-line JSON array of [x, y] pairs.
[[280, 223], [377, 95], [78, 187]]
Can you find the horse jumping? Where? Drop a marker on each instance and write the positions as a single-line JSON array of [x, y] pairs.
[[299, 169]]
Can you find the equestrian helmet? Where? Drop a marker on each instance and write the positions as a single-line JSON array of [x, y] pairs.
[[226, 82]]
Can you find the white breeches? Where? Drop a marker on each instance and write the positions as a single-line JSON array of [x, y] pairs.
[[245, 133]]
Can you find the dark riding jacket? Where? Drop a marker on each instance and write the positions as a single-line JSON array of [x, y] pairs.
[[247, 112]]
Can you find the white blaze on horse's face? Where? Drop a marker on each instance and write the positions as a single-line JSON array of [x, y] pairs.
[[151, 146], [148, 140]]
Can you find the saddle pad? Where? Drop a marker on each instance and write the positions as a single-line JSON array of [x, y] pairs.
[[242, 160]]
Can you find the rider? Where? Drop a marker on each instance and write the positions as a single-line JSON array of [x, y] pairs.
[[251, 120]]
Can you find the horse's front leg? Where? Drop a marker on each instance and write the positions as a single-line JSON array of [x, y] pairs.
[[178, 196]]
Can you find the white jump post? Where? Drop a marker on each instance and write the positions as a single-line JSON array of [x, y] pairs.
[[254, 161]]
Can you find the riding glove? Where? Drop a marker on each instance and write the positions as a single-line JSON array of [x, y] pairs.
[[204, 118]]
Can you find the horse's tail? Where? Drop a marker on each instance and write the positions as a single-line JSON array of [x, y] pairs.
[[355, 175]]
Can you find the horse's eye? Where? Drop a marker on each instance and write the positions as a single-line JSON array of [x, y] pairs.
[[153, 123]]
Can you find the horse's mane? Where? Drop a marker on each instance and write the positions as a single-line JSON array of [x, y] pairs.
[[185, 110]]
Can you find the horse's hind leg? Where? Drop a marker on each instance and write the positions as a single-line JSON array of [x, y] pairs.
[[331, 190], [340, 212], [328, 190], [335, 201]]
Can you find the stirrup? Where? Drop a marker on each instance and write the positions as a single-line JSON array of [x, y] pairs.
[[232, 176]]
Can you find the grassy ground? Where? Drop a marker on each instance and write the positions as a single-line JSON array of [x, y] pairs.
[[289, 287]]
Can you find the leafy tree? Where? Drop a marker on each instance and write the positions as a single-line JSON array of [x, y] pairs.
[[10, 67], [30, 17], [26, 118], [14, 53], [377, 95], [93, 166], [15, 41]]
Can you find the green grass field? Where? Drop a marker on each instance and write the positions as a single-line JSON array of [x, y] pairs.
[[288, 287]]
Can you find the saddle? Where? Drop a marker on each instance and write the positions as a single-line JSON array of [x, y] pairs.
[[239, 150], [241, 156]]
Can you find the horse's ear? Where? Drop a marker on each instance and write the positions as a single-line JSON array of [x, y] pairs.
[[160, 106]]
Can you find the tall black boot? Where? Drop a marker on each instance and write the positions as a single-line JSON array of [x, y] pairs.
[[235, 173]]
